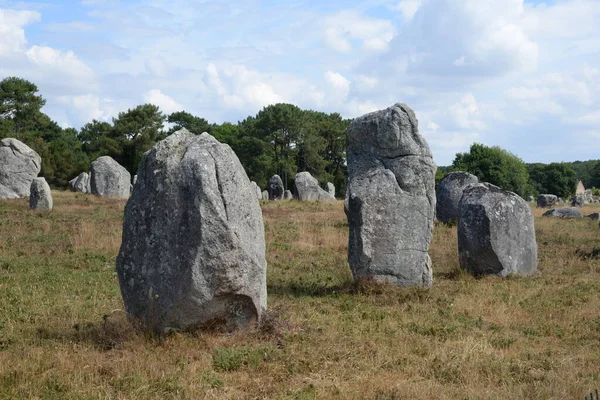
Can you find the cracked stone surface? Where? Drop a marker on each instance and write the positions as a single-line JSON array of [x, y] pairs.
[[193, 250], [390, 201], [19, 164], [449, 192], [496, 235]]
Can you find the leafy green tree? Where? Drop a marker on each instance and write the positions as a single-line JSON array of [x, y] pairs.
[[67, 157], [137, 130], [19, 103], [183, 119], [99, 139], [495, 165], [555, 178]]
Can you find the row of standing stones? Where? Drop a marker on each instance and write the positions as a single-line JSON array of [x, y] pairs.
[[307, 189], [193, 246], [578, 201]]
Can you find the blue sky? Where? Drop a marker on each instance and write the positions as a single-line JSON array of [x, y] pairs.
[[524, 75]]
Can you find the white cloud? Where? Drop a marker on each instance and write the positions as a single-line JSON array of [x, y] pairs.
[[166, 103], [12, 34], [339, 85], [55, 60], [344, 27], [466, 113], [408, 8]]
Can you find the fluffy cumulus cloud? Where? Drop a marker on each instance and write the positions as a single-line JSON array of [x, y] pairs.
[[350, 30], [166, 103], [12, 33]]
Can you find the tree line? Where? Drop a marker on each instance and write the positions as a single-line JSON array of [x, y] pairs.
[[280, 139]]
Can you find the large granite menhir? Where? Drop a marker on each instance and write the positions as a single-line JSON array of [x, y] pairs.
[[448, 194], [496, 235], [390, 198], [193, 250], [19, 164], [108, 178]]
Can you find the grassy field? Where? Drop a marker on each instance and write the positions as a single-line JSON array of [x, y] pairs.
[[63, 334]]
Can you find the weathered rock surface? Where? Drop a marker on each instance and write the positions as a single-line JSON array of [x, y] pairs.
[[496, 235], [546, 200], [577, 201], [588, 197], [448, 194], [256, 190], [265, 195], [193, 250], [390, 198], [308, 189], [275, 188], [565, 212], [40, 196], [109, 179], [329, 188], [530, 199], [594, 216], [287, 195], [80, 183], [19, 164]]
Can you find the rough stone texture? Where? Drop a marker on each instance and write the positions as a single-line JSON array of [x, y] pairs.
[[390, 198], [265, 195], [19, 164], [308, 189], [448, 194], [40, 197], [81, 183], [275, 188], [193, 250], [530, 199], [496, 235], [594, 216], [546, 200], [578, 200], [560, 200], [329, 188], [109, 179], [256, 190], [565, 212], [287, 195], [134, 179], [588, 197]]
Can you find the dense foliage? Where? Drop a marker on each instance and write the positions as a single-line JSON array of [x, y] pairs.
[[281, 139]]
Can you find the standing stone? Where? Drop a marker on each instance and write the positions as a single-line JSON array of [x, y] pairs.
[[287, 195], [109, 179], [449, 192], [329, 188], [560, 200], [40, 197], [19, 164], [546, 200], [588, 197], [580, 189], [496, 235], [134, 179], [275, 188], [193, 250], [265, 195], [308, 189], [256, 190], [565, 212], [390, 197], [530, 199], [72, 184], [578, 201], [81, 183]]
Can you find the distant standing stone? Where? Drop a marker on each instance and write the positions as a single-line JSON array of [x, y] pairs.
[[193, 250], [109, 178], [256, 190], [530, 199], [594, 216], [578, 201], [265, 195], [565, 212], [546, 200], [308, 189], [19, 164], [496, 235], [390, 197], [287, 195], [275, 188], [329, 188], [588, 197], [448, 194], [81, 183], [40, 197]]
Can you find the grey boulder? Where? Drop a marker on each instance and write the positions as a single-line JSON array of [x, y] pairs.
[[40, 196], [308, 189], [256, 190], [565, 212], [390, 198], [448, 194], [496, 235], [265, 195], [19, 164], [546, 200], [275, 188], [287, 195], [530, 199], [329, 188], [594, 216], [109, 179], [578, 200], [193, 249], [80, 183]]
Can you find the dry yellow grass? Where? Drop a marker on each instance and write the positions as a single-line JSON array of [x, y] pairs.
[[63, 334]]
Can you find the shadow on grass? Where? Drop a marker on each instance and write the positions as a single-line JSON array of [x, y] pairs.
[[301, 289]]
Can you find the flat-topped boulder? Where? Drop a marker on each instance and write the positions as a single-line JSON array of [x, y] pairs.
[[193, 250], [390, 198], [19, 164]]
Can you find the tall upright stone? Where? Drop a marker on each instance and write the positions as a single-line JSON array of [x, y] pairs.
[[391, 197], [193, 250], [448, 194], [80, 183], [40, 196], [19, 164], [109, 179], [329, 188], [256, 189], [496, 235], [275, 188]]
